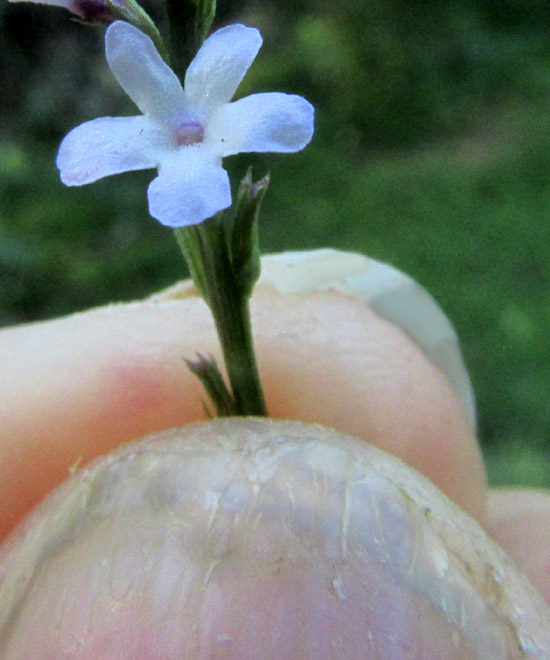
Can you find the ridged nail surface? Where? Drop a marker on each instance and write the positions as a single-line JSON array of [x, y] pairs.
[[252, 539]]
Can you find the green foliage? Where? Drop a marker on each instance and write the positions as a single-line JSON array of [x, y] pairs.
[[469, 220], [432, 152], [390, 73]]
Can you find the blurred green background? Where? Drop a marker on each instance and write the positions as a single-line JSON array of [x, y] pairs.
[[432, 152]]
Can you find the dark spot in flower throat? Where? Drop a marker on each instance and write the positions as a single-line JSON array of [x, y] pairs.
[[189, 132]]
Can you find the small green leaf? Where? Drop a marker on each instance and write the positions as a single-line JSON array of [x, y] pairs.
[[190, 244], [244, 243], [206, 10]]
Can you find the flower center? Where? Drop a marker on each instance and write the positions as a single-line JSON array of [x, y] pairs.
[[189, 132]]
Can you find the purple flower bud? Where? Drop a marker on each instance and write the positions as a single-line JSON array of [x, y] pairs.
[[91, 10], [87, 10]]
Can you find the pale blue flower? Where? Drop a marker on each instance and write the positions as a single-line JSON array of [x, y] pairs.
[[184, 132]]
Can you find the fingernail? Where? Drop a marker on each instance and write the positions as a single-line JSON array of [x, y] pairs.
[[247, 539]]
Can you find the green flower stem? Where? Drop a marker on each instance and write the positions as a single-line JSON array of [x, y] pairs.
[[182, 15], [207, 254], [189, 22]]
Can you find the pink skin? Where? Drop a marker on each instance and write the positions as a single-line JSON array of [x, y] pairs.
[[283, 613], [242, 540], [81, 386], [77, 387], [520, 521]]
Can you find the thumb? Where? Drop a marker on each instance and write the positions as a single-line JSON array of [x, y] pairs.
[[245, 539], [243, 550]]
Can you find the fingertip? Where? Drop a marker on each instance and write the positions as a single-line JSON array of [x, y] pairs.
[[329, 358], [519, 520], [79, 386]]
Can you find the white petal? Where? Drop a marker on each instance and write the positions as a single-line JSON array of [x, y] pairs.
[[110, 145], [191, 187], [142, 72], [262, 122], [214, 75]]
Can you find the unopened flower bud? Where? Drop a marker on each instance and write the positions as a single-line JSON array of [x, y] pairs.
[[94, 11]]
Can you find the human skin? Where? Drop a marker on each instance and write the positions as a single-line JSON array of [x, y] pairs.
[[78, 387]]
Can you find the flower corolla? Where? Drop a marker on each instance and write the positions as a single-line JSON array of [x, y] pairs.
[[184, 131]]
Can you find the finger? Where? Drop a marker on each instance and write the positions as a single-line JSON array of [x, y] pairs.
[[248, 538], [78, 386], [519, 520], [341, 365], [392, 294]]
